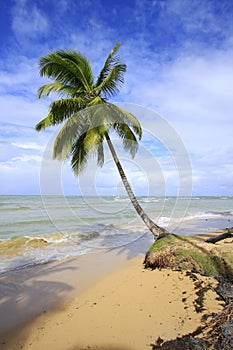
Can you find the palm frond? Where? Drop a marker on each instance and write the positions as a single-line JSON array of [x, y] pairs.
[[111, 84], [82, 66], [67, 67], [61, 110], [110, 114], [112, 75], [111, 60], [105, 117], [73, 129], [129, 119], [74, 140], [94, 122], [129, 140], [58, 88], [80, 155], [94, 137], [97, 115]]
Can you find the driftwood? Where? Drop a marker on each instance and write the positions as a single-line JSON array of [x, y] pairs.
[[225, 235]]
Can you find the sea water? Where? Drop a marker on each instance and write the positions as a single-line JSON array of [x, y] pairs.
[[39, 229]]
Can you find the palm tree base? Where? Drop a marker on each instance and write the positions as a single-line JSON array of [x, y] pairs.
[[159, 232]]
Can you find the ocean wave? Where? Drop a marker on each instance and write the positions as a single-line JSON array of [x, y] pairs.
[[221, 213], [25, 261], [16, 208], [170, 221], [208, 214], [121, 199], [20, 252], [150, 200], [16, 243], [26, 223]]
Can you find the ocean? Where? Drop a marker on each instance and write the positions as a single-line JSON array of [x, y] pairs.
[[39, 229]]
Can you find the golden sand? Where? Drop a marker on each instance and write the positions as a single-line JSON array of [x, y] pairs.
[[127, 309]]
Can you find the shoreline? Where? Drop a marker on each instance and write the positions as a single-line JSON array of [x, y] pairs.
[[115, 305], [186, 228], [34, 232]]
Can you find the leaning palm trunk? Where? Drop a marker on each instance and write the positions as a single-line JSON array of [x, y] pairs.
[[157, 231]]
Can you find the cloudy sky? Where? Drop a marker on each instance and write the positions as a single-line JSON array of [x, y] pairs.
[[179, 83]]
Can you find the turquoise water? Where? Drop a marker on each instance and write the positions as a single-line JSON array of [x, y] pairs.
[[35, 229]]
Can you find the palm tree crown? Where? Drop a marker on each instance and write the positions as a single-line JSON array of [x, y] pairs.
[[83, 103]]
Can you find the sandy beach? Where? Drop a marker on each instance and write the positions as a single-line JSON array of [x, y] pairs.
[[101, 301]]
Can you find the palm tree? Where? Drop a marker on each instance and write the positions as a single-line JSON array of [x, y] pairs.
[[88, 117]]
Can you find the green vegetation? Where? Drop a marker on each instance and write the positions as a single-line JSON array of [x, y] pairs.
[[193, 254], [163, 243], [201, 261]]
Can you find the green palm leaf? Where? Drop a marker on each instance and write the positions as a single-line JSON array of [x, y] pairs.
[[129, 140], [73, 129], [68, 67], [58, 88], [110, 86], [110, 62], [79, 155], [61, 110], [110, 114], [112, 75]]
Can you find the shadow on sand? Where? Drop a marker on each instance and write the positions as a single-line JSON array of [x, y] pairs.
[[30, 292], [26, 293]]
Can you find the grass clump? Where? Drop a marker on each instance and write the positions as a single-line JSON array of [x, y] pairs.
[[163, 243], [200, 261]]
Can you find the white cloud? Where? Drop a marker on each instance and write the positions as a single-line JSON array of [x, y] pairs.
[[29, 145], [20, 175], [28, 21], [22, 110], [194, 94], [19, 76], [24, 160]]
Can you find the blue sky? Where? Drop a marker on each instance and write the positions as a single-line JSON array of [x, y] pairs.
[[179, 56]]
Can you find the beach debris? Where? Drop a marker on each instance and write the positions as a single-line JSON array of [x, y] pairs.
[[218, 238]]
